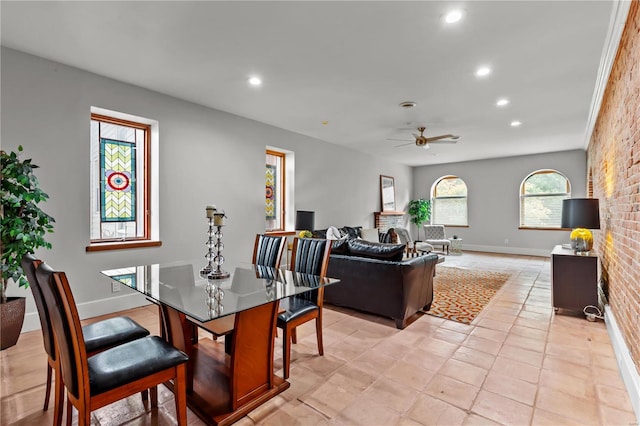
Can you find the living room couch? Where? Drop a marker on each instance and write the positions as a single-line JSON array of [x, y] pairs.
[[375, 278]]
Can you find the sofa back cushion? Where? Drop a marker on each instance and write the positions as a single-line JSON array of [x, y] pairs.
[[362, 248], [340, 246]]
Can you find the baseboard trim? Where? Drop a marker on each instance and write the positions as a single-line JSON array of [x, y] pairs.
[[508, 250], [628, 370], [93, 308]]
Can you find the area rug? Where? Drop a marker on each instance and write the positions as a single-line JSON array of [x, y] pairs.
[[460, 294]]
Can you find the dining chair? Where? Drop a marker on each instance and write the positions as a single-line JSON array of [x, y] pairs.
[[268, 250], [98, 336], [95, 381], [309, 256]]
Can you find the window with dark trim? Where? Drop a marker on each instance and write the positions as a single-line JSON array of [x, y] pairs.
[[541, 195], [275, 194], [120, 180]]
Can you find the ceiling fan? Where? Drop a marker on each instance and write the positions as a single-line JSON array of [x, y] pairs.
[[423, 141]]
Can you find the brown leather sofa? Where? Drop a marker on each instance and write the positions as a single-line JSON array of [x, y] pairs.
[[375, 279]]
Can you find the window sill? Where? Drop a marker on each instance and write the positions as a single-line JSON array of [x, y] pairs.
[[120, 245], [532, 228]]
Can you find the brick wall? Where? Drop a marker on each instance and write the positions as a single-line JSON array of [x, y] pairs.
[[385, 221], [614, 170]]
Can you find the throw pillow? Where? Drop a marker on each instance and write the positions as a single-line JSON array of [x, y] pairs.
[[371, 250], [370, 234], [333, 233], [319, 233], [353, 231]]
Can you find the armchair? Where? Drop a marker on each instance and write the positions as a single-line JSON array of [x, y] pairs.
[[434, 235], [413, 247]]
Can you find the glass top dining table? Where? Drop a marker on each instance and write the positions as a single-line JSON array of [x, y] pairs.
[[182, 286]]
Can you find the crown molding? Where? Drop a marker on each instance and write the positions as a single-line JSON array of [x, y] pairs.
[[619, 13]]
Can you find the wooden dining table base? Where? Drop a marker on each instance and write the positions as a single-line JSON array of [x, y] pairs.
[[222, 388]]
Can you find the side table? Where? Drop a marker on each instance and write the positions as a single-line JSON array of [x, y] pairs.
[[455, 247]]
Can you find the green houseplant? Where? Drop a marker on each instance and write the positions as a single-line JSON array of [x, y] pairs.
[[23, 226], [420, 211]]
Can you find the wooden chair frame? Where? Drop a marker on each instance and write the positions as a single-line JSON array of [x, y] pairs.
[[289, 331], [65, 313], [53, 365]]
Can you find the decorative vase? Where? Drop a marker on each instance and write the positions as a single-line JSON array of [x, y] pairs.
[[11, 319]]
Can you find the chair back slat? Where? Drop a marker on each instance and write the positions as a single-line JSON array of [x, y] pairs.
[[267, 250], [67, 328], [311, 256], [308, 256], [29, 264]]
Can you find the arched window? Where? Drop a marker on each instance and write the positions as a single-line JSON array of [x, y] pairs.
[[449, 201], [541, 195]]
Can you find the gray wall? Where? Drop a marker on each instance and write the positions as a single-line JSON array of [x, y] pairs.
[[206, 156], [493, 204]]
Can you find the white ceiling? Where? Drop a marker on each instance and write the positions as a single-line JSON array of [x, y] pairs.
[[348, 63]]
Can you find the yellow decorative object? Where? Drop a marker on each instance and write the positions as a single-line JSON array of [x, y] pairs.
[[305, 234], [581, 240]]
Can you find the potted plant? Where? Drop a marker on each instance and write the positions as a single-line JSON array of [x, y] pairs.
[[23, 226], [420, 211]]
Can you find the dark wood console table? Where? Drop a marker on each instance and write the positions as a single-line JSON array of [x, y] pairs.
[[574, 279]]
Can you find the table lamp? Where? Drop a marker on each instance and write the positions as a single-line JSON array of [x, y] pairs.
[[581, 214], [305, 220]]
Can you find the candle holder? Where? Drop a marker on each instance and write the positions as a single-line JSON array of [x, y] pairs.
[[215, 259]]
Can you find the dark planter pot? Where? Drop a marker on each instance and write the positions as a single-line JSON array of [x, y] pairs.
[[11, 319]]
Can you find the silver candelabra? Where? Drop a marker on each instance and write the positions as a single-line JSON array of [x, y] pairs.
[[214, 256]]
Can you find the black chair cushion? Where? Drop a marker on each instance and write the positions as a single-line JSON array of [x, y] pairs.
[[110, 332], [131, 361], [294, 307]]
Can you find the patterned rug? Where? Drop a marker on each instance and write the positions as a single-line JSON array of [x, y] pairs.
[[460, 294]]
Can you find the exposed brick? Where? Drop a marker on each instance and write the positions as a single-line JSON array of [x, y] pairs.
[[614, 162]]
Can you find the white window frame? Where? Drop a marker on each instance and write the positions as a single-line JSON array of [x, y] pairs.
[[434, 203], [523, 197]]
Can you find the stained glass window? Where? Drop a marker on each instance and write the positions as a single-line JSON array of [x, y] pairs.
[[127, 279], [274, 190], [118, 177], [120, 203], [270, 193]]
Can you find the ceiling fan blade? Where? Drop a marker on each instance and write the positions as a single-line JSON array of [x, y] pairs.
[[398, 140], [404, 144], [436, 138], [444, 141]]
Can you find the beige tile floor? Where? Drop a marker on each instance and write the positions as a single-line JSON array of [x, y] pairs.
[[518, 363]]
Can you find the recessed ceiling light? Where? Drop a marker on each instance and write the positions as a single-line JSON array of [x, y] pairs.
[[255, 81], [502, 102], [483, 71], [516, 123], [453, 16]]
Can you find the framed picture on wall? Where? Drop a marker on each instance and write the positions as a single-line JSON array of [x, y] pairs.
[[387, 193]]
